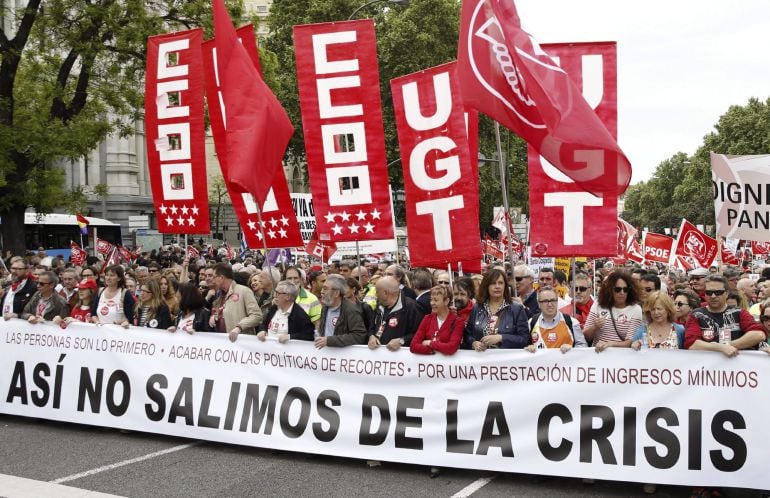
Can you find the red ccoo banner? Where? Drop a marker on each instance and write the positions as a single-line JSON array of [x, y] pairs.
[[440, 182], [339, 93], [559, 206], [175, 133]]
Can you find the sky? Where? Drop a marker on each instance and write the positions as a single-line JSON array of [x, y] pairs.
[[681, 64]]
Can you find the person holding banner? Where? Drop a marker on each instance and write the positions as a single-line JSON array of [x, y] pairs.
[[582, 301], [463, 292], [46, 303], [616, 315], [496, 320], [396, 318], [661, 330], [551, 328], [113, 303], [307, 301], [442, 330], [235, 309], [525, 288], [20, 290], [193, 316], [150, 310], [341, 321], [716, 327], [81, 308], [285, 319]]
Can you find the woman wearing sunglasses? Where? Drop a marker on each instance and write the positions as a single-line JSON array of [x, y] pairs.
[[685, 300], [616, 314]]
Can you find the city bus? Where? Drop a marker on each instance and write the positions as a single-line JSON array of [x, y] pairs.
[[53, 232]]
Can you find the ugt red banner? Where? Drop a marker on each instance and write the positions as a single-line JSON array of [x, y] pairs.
[[695, 244], [657, 247], [339, 94], [279, 223], [559, 206], [440, 183], [175, 133]]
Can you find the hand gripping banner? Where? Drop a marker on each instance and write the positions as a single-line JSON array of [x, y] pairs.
[[280, 227], [439, 180], [175, 133], [559, 207], [339, 93]]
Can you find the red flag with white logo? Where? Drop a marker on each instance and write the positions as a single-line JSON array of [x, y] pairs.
[[175, 132], [559, 207], [322, 250], [627, 245], [727, 256], [505, 74], [257, 126], [693, 243], [125, 254], [440, 183], [77, 255], [103, 247], [657, 247], [193, 253], [491, 248], [339, 93], [279, 222], [760, 248]]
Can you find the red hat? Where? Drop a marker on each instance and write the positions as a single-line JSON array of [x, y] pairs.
[[87, 283]]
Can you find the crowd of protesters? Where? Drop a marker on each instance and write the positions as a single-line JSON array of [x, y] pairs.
[[387, 305]]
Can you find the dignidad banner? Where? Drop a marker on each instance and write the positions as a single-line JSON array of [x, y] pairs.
[[669, 417]]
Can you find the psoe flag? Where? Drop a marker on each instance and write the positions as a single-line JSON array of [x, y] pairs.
[[742, 196]]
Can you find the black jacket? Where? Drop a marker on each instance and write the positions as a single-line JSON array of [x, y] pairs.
[[300, 326], [22, 296], [399, 322]]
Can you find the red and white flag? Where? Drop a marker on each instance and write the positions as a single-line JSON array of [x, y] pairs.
[[760, 248], [628, 247], [322, 250], [77, 255], [112, 259], [440, 183], [339, 94], [103, 247], [657, 248], [175, 132], [193, 253], [491, 248], [257, 126], [560, 209], [279, 222], [505, 74], [693, 243], [125, 254], [727, 256]]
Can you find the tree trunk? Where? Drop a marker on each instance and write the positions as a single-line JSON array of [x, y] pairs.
[[12, 231]]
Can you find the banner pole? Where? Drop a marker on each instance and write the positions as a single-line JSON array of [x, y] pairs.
[[572, 276], [504, 188], [451, 277], [358, 261], [264, 245], [95, 239]]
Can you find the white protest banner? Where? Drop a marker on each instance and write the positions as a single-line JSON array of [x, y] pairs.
[[669, 417], [741, 188]]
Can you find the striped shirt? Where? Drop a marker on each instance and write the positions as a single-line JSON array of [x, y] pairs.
[[627, 320]]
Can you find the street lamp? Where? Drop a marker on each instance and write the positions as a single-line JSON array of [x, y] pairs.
[[396, 2]]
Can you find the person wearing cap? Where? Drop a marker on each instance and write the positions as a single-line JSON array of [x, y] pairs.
[[697, 283], [716, 327], [46, 303], [80, 311]]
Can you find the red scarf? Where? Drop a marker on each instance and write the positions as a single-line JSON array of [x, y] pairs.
[[20, 283]]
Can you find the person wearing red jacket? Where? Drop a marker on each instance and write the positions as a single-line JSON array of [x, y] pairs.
[[716, 327], [442, 330]]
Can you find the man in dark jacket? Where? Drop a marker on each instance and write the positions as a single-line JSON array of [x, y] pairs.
[[396, 318], [285, 319], [341, 321], [20, 291], [46, 303]]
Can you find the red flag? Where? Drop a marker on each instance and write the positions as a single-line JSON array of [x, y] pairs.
[[112, 259], [77, 255], [505, 74], [695, 244], [103, 247], [258, 129], [657, 247], [727, 256], [490, 248], [628, 246], [125, 254], [440, 182], [760, 248], [321, 250], [193, 253]]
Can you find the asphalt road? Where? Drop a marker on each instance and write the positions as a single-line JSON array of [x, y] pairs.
[[90, 459]]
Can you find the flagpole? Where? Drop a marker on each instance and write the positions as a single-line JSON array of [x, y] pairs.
[[264, 245], [504, 188], [95, 239], [358, 261], [572, 274], [451, 277]]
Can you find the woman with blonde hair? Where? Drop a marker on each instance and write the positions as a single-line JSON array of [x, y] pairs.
[[151, 310], [661, 330], [168, 286]]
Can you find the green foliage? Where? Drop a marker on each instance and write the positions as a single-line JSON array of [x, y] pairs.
[[681, 185]]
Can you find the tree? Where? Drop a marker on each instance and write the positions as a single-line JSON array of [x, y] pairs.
[[70, 74]]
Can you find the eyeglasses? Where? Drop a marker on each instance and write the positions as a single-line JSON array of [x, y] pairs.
[[19, 268], [443, 282], [281, 293], [764, 318], [581, 289], [649, 289], [519, 279], [548, 301], [714, 292], [153, 270], [679, 304], [618, 290], [144, 290], [44, 283]]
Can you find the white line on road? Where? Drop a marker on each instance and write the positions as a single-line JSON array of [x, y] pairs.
[[473, 487], [125, 462]]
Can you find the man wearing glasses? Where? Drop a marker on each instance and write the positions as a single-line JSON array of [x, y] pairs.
[[46, 303], [235, 310], [18, 294], [581, 301], [525, 289], [283, 319], [342, 323], [716, 327]]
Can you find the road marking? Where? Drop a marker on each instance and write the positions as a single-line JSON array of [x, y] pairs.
[[21, 487], [473, 487], [125, 462]]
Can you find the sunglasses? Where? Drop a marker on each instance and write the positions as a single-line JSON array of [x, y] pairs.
[[44, 283], [714, 292], [548, 301], [443, 282], [581, 289], [680, 304], [764, 318], [519, 279], [618, 290]]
